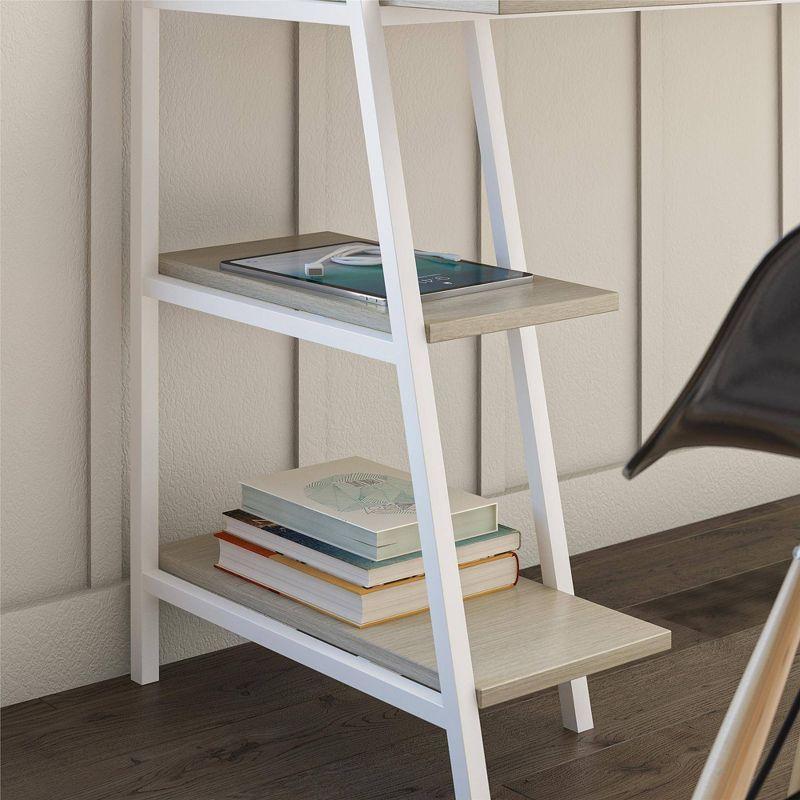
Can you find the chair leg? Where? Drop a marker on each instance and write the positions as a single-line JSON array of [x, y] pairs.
[[531, 404], [735, 753], [453, 658], [794, 781]]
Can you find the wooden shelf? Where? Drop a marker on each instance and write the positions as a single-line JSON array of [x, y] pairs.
[[545, 300], [522, 640]]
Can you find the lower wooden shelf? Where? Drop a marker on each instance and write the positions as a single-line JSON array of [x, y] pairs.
[[523, 640]]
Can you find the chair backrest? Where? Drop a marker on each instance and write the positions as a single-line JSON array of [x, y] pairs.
[[746, 393], [746, 390]]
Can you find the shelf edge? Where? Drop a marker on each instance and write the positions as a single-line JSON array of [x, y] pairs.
[[658, 642], [446, 330]]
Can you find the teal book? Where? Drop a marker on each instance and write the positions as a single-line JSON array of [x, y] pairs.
[[358, 505], [351, 567]]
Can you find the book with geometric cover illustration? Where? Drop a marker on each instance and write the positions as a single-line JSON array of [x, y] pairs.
[[347, 601], [349, 566], [358, 505]]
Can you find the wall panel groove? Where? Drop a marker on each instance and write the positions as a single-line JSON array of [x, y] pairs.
[[46, 85], [312, 410], [570, 109], [495, 378], [651, 219], [789, 67], [105, 292]]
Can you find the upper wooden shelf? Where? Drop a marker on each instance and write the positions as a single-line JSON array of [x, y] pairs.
[[544, 300], [522, 640], [510, 7]]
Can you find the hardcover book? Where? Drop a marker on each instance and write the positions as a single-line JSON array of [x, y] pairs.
[[347, 601], [358, 505], [349, 566]]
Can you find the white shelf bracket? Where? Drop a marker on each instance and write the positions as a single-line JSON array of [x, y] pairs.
[[453, 657], [548, 516]]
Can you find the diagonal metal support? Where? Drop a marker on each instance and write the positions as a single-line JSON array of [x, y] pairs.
[[548, 517], [453, 656]]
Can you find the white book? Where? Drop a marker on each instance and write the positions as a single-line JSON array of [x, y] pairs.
[[358, 505]]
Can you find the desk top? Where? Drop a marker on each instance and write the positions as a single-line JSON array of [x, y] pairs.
[[553, 6]]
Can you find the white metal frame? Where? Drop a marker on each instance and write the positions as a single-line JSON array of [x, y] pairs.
[[454, 708], [537, 441], [144, 341]]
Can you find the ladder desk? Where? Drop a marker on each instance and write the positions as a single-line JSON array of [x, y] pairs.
[[445, 665]]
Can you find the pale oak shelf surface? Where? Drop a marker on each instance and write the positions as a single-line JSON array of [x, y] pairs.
[[545, 300], [522, 640]]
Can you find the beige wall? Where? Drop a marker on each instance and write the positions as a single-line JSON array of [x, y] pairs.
[[228, 399], [598, 173], [227, 174], [668, 199], [45, 155]]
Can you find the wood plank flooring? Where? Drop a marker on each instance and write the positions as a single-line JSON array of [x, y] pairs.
[[245, 723]]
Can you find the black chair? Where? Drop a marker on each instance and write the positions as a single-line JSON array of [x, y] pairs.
[[746, 390], [746, 393]]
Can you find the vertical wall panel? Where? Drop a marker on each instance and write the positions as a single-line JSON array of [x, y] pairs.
[[720, 170], [45, 253], [571, 107], [227, 174], [495, 381], [349, 404], [651, 219]]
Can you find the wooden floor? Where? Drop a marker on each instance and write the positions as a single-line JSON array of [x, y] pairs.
[[245, 723]]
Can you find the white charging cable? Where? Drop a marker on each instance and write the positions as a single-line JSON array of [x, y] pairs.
[[360, 255]]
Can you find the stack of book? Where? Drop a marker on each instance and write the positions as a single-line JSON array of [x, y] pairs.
[[342, 537]]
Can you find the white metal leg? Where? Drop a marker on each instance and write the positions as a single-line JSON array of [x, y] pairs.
[[531, 403], [144, 340], [734, 756], [453, 657], [548, 518]]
